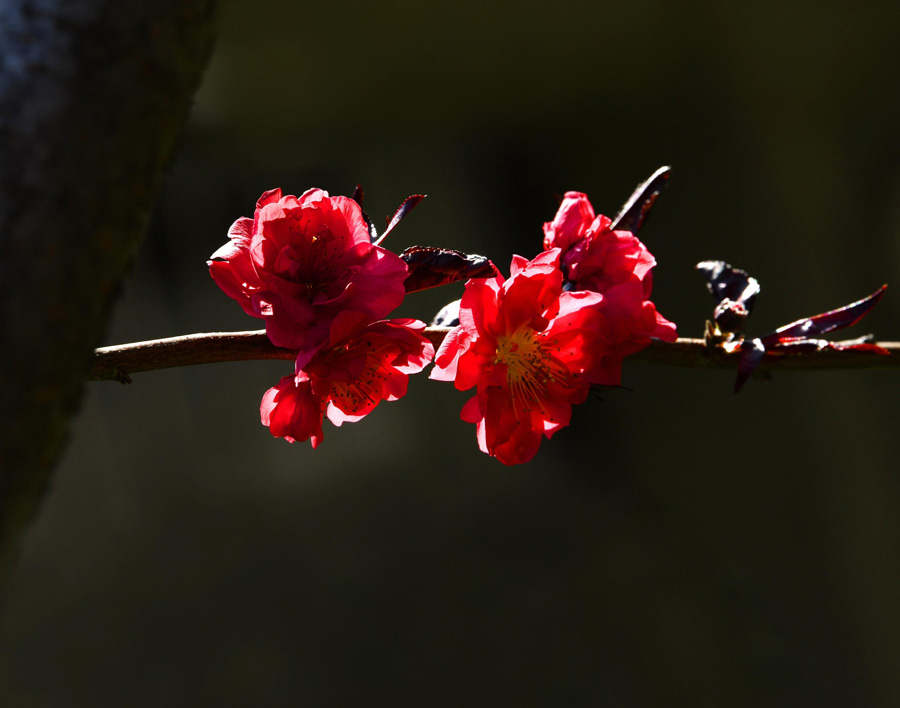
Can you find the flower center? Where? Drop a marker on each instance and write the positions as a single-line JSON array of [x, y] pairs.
[[356, 392], [529, 365], [313, 265]]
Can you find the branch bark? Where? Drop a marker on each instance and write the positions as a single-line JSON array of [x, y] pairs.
[[93, 96], [117, 363]]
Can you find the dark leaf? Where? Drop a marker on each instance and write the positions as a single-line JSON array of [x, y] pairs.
[[866, 343], [811, 327], [752, 353], [726, 282], [801, 346], [799, 337], [633, 215], [430, 267], [730, 317], [407, 206], [863, 347], [735, 292], [358, 197]]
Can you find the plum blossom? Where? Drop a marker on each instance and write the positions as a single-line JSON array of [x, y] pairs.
[[530, 350], [299, 262], [360, 365]]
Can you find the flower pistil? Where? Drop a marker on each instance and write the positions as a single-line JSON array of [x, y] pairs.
[[530, 367]]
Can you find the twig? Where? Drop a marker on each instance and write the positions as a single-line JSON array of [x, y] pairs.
[[118, 362]]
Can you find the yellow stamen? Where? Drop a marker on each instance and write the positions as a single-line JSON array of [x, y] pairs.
[[529, 367]]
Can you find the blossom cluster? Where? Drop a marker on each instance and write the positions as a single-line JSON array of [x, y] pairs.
[[307, 268], [531, 345]]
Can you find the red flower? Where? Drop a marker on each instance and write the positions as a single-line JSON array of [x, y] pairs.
[[530, 350], [359, 366], [299, 262], [614, 263]]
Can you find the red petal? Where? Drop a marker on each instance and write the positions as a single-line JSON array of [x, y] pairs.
[[290, 411], [273, 195], [571, 222]]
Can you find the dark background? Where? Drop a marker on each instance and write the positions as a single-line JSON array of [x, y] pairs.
[[676, 545]]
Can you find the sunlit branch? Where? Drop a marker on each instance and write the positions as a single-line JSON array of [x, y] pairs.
[[117, 363]]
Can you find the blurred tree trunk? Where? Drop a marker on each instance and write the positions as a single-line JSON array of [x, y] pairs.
[[93, 96]]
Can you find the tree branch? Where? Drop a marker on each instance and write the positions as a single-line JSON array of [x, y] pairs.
[[116, 363]]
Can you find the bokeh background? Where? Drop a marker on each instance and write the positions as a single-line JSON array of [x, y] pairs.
[[676, 545]]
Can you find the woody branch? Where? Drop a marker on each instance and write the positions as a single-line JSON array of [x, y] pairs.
[[118, 362]]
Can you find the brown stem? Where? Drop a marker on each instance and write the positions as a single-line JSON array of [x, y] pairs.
[[118, 362]]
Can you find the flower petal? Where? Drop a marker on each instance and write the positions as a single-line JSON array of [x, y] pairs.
[[292, 412]]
